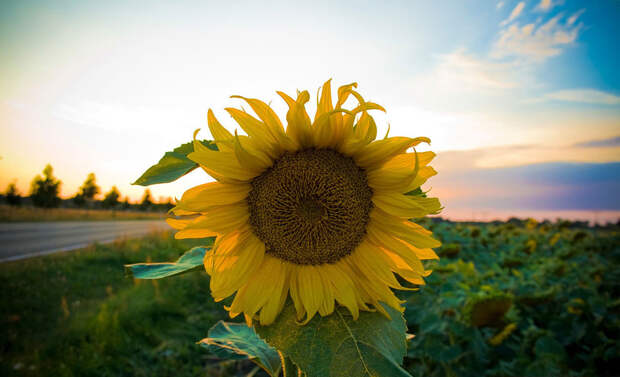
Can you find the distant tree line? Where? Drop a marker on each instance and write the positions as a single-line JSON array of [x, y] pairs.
[[45, 193]]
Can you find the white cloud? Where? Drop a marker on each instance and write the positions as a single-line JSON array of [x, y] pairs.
[[584, 96], [545, 5], [536, 42], [515, 13], [463, 71], [499, 5], [575, 16]]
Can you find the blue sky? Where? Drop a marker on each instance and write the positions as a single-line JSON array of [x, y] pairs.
[[109, 86]]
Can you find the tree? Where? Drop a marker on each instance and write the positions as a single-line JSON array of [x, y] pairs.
[[87, 191], [12, 195], [147, 201], [44, 190], [111, 198]]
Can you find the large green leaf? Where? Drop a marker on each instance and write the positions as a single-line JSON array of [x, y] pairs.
[[238, 339], [172, 166], [338, 346], [192, 259]]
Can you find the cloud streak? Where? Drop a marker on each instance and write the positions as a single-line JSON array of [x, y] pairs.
[[536, 41], [591, 96], [514, 14], [601, 143], [545, 5]]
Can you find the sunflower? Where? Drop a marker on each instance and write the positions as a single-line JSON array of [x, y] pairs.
[[318, 211]]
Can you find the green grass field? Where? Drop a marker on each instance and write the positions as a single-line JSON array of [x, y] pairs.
[[509, 299], [20, 214]]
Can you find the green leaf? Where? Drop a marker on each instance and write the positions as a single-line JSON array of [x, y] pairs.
[[192, 259], [239, 339], [172, 166], [416, 192], [338, 346]]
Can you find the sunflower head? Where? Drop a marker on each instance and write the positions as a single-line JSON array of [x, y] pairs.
[[318, 211], [488, 309]]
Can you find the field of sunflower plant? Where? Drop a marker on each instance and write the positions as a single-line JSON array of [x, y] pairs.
[[519, 299], [310, 235]]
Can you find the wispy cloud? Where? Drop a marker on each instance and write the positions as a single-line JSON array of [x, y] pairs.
[[572, 19], [499, 5], [465, 71], [583, 96], [514, 14], [601, 143], [546, 5], [536, 42]]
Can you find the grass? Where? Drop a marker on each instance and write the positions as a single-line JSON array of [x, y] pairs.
[[78, 314], [19, 214]]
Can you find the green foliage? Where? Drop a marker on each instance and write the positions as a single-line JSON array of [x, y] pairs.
[[109, 324], [89, 188], [519, 299], [111, 198], [172, 166], [190, 260], [44, 190], [12, 195], [231, 339], [339, 346]]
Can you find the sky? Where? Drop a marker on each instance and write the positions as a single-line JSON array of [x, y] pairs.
[[505, 89]]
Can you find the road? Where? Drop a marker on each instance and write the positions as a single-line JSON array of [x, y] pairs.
[[25, 240]]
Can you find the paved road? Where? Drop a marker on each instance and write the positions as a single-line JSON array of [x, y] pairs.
[[25, 240]]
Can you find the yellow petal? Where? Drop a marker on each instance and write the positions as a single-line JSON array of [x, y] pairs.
[[406, 206], [218, 132], [267, 115], [399, 266], [222, 219], [324, 103], [402, 249], [181, 212], [276, 300], [194, 233], [343, 287], [294, 289], [179, 223], [366, 129], [403, 229], [369, 261], [310, 290], [257, 131], [298, 127], [235, 266], [205, 196], [344, 92], [327, 302], [223, 164], [379, 152], [248, 160], [423, 175], [261, 285]]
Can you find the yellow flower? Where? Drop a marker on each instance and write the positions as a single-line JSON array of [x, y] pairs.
[[502, 335], [317, 211]]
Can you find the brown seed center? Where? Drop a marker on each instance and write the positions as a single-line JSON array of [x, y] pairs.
[[310, 207]]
